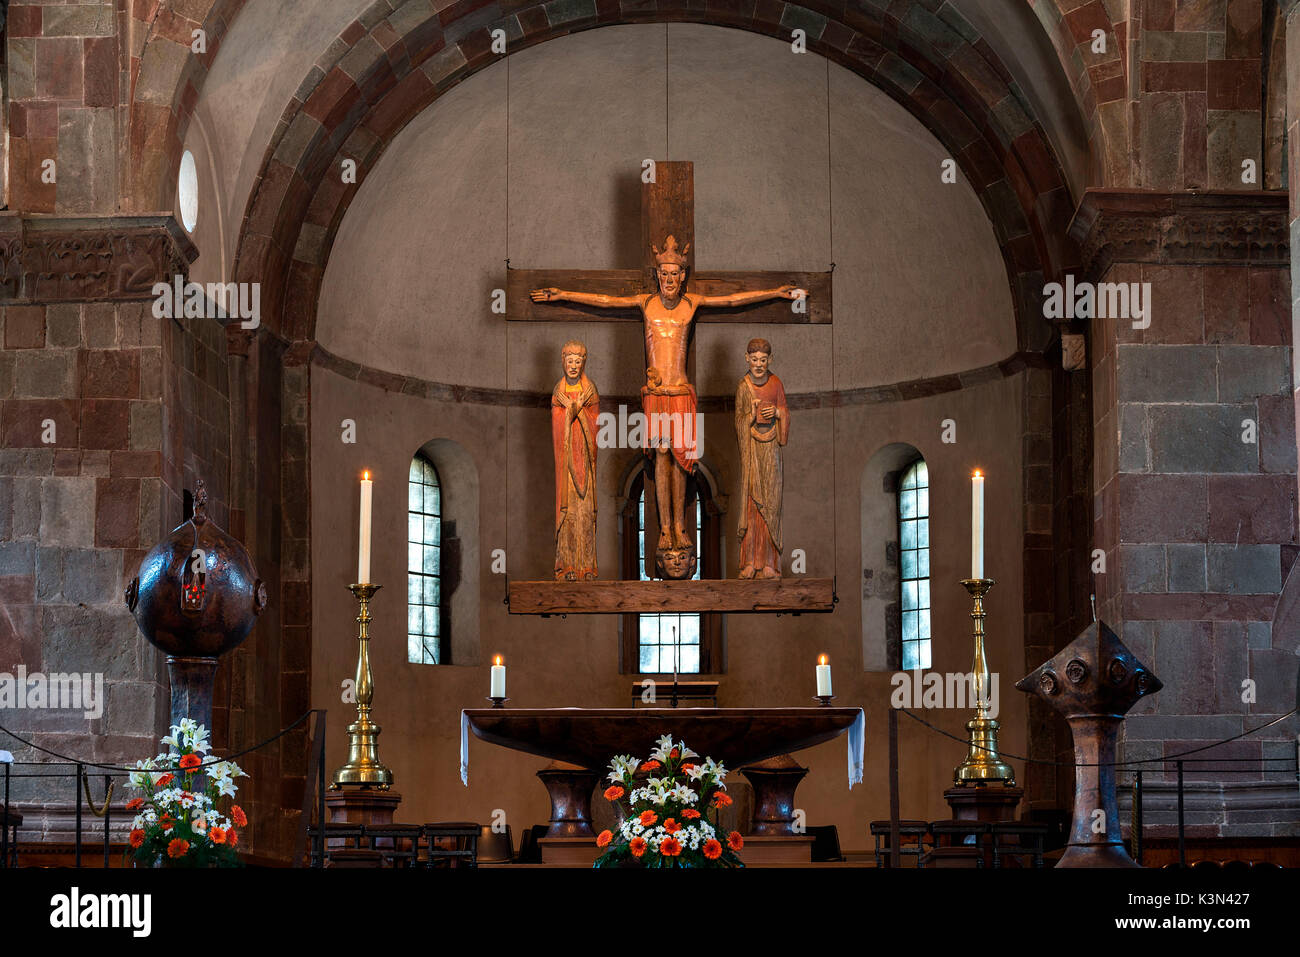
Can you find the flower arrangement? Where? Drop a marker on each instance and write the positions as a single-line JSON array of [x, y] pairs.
[[177, 825], [665, 803]]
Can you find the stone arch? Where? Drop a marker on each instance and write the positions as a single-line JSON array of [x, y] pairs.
[[458, 476], [940, 70], [878, 512]]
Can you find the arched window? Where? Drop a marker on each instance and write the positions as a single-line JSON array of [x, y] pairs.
[[914, 564], [654, 642], [424, 631]]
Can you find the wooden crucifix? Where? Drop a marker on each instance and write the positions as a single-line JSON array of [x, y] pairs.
[[657, 295]]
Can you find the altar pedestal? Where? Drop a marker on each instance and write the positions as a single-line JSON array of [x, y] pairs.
[[990, 803], [774, 782], [570, 788], [569, 851], [368, 806], [763, 850]]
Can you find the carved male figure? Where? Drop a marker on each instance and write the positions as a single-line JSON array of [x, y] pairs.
[[668, 315], [762, 428], [575, 406]]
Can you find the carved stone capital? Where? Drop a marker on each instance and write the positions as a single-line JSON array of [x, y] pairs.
[[1148, 226], [83, 258]]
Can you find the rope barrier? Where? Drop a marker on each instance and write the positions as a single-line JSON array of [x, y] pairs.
[[115, 767], [1100, 764]]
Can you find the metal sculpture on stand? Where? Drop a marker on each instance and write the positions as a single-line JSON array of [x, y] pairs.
[[196, 596], [1093, 682]]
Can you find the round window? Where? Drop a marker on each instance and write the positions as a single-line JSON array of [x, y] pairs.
[[188, 187]]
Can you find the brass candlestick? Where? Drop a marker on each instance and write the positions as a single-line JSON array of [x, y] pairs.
[[364, 767], [983, 764]]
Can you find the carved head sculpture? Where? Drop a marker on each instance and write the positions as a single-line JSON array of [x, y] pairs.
[[758, 354], [671, 271], [573, 358], [676, 563], [1094, 674], [197, 593]]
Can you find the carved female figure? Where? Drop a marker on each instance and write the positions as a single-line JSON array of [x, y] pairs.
[[575, 405], [762, 427]]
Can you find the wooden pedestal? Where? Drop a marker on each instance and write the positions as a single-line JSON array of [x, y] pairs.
[[569, 851], [774, 782], [357, 805], [989, 803], [760, 850]]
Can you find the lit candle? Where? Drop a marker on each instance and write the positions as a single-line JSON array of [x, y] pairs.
[[498, 678], [363, 555], [823, 677], [977, 525]]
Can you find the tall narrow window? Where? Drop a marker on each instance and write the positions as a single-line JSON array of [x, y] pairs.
[[667, 642], [424, 564], [914, 564]]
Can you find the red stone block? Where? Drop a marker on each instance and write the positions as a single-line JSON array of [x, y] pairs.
[[459, 9], [105, 423], [1037, 160], [67, 462], [1227, 298], [414, 91], [1270, 314], [117, 513], [327, 93], [1163, 508], [1110, 89], [1252, 509], [26, 190], [1195, 141], [58, 68], [1177, 310], [135, 464], [25, 327], [23, 21], [1197, 607], [109, 373], [17, 590], [296, 603], [1159, 14], [354, 31], [23, 423], [1233, 84], [100, 71], [1083, 20], [1243, 29], [1160, 77]]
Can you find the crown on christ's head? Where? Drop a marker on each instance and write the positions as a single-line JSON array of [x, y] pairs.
[[671, 253]]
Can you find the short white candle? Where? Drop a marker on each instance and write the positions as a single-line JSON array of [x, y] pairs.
[[977, 525], [363, 553], [498, 678], [823, 677]]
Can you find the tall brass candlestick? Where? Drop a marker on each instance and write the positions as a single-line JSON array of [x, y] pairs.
[[364, 767], [983, 764]]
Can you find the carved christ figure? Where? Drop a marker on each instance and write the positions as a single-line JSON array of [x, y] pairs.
[[762, 428], [574, 409], [668, 314]]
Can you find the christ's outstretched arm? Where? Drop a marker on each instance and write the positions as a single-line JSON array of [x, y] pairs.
[[753, 295], [551, 294]]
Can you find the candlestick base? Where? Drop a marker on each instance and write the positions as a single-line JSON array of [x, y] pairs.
[[498, 702], [363, 766], [983, 764], [825, 699]]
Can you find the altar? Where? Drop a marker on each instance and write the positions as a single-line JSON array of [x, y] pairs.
[[581, 742]]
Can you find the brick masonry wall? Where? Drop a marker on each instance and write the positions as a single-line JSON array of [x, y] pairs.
[[76, 516], [1195, 509]]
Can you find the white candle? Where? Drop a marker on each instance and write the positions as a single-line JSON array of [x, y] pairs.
[[977, 525], [363, 554], [498, 678], [823, 677]]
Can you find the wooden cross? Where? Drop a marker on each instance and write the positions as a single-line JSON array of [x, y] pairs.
[[667, 209]]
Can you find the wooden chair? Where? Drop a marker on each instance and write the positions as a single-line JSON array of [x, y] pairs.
[[826, 844], [399, 844], [957, 844], [338, 837], [451, 844], [1018, 840], [493, 847], [911, 840]]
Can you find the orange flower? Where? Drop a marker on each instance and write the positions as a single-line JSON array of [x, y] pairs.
[[650, 766], [675, 753], [166, 780], [613, 792], [721, 800], [603, 838], [166, 822], [135, 804], [735, 841], [238, 816], [178, 848], [670, 847], [190, 761], [671, 826], [648, 818], [687, 767], [636, 846], [137, 837], [231, 837], [712, 849], [217, 834], [690, 814]]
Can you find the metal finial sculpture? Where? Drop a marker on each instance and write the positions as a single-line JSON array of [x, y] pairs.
[[1093, 682]]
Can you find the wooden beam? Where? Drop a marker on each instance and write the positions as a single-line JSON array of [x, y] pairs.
[[633, 282], [618, 597]]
